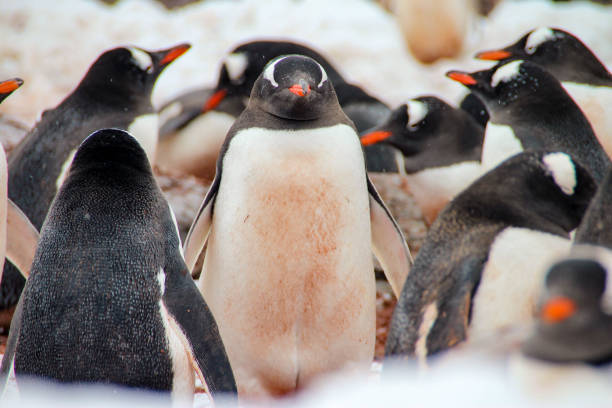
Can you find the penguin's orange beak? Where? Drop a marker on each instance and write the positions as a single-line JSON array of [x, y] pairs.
[[299, 90], [374, 137], [10, 85], [558, 309], [461, 77], [494, 55], [214, 100], [173, 53]]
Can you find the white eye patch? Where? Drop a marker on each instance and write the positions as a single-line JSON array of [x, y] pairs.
[[537, 37], [323, 76], [417, 111], [562, 169], [506, 72], [236, 64], [143, 60], [269, 71]]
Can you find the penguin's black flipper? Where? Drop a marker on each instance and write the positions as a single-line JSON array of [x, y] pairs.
[[180, 111], [198, 232], [11, 346], [24, 239], [421, 325], [190, 312], [388, 242]]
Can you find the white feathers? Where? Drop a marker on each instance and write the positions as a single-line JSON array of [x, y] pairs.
[[499, 143], [236, 64], [145, 129], [269, 71], [417, 111], [429, 318], [562, 169], [537, 37], [512, 279], [506, 72], [323, 76], [176, 228], [64, 170], [143, 60], [161, 279]]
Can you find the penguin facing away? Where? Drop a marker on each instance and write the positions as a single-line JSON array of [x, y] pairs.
[[482, 263], [19, 249], [441, 146], [289, 222], [110, 299], [115, 92], [584, 77], [529, 109], [196, 127]]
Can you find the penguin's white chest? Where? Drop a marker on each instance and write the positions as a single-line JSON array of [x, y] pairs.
[[194, 149], [288, 269], [145, 129], [512, 279], [499, 143]]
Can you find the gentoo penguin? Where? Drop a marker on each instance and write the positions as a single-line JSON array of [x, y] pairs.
[[196, 127], [110, 299], [582, 74], [290, 221], [115, 92], [441, 146], [484, 258], [572, 327], [19, 249], [529, 109]]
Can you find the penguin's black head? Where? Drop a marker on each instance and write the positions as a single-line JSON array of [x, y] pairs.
[[294, 87], [7, 87], [508, 82], [571, 324], [557, 51], [128, 71], [110, 148], [582, 280], [427, 129], [241, 68]]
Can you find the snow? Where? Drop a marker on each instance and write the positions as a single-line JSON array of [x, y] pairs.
[[51, 44]]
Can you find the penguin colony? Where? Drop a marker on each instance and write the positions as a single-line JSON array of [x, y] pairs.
[[100, 286]]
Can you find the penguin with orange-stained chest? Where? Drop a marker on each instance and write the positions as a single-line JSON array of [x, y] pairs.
[[290, 223]]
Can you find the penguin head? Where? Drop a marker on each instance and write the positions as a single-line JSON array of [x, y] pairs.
[[241, 68], [508, 82], [7, 87], [294, 87], [427, 126], [555, 50], [129, 71], [107, 148], [571, 325]]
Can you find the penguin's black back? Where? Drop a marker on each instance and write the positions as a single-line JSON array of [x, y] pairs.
[[91, 308]]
